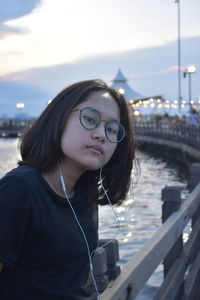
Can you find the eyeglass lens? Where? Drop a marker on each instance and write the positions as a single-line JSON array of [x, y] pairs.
[[91, 119]]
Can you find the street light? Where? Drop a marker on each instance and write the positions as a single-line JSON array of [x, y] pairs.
[[189, 71], [18, 124], [179, 55], [20, 105]]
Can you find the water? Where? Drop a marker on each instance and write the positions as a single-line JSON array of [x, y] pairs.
[[139, 216]]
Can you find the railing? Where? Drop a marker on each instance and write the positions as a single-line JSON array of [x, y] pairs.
[[181, 132], [181, 260]]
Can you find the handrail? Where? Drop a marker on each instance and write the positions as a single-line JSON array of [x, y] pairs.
[[184, 133]]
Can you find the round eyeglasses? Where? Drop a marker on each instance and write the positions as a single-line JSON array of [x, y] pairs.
[[90, 119]]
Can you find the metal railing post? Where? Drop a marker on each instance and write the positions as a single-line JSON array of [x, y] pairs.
[[171, 197], [194, 180]]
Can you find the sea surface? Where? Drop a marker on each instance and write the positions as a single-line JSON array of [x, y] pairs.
[[138, 218]]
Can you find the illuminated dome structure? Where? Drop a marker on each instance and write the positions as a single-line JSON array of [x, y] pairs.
[[145, 105], [120, 83]]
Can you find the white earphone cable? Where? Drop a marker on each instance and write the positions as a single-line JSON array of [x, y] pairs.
[[62, 182], [81, 229], [116, 216]]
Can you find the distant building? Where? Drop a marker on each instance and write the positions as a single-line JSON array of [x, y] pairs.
[[120, 83], [141, 105], [147, 106]]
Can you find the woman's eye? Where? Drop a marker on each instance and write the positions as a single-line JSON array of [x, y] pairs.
[[111, 130], [90, 120]]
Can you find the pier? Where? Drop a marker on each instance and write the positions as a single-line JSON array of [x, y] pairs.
[[178, 141]]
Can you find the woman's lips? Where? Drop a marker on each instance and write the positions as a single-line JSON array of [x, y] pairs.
[[96, 149]]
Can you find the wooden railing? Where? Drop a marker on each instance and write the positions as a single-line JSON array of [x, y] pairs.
[[181, 260]]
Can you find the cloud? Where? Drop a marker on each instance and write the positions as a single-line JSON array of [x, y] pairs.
[[6, 30], [139, 63], [12, 9], [65, 31], [176, 67], [150, 71]]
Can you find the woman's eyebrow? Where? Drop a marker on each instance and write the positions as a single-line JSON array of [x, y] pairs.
[[109, 118], [112, 118]]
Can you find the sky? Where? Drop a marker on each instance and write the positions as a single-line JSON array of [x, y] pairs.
[[46, 45]]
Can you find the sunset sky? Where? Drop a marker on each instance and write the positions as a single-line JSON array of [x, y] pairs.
[[47, 44]]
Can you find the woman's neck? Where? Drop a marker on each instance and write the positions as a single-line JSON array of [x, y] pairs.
[[70, 176]]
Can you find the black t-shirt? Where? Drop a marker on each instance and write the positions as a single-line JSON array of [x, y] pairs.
[[41, 246]]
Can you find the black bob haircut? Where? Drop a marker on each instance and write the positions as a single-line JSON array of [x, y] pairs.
[[40, 145]]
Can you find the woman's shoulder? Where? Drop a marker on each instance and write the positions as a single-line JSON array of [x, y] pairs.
[[22, 173], [19, 186], [15, 187]]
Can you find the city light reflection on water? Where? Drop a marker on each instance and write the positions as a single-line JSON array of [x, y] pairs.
[[140, 215]]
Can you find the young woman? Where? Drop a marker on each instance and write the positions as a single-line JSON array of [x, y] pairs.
[[48, 204]]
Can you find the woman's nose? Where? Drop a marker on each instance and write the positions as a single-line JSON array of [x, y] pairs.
[[99, 133]]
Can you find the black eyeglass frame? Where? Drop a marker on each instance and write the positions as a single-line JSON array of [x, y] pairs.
[[100, 120]]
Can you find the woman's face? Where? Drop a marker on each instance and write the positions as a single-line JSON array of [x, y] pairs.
[[89, 149]]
